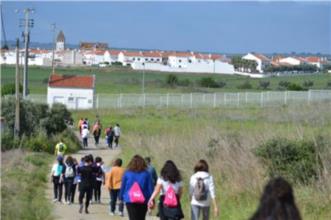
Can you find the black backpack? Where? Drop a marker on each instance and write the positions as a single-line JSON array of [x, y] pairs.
[[200, 191]]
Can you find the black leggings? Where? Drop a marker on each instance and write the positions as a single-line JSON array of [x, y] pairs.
[[96, 139], [57, 187], [136, 211], [73, 191], [82, 192], [97, 190], [68, 189]]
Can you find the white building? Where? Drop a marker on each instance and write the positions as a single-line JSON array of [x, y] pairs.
[[60, 40], [74, 91], [293, 61], [261, 60]]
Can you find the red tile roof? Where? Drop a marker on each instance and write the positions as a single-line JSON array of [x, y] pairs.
[[71, 81], [114, 52], [132, 53], [313, 59], [151, 54]]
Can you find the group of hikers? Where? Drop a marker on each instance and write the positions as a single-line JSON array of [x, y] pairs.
[[112, 134], [137, 186]]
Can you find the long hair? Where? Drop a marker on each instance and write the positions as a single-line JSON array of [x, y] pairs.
[[277, 202], [137, 164], [170, 172]]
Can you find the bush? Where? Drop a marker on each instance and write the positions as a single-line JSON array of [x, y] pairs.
[[328, 85], [184, 82], [9, 89], [283, 84], [298, 161], [172, 80], [245, 85], [308, 84], [264, 84], [208, 82], [295, 87]]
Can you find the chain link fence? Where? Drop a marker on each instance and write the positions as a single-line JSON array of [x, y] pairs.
[[211, 100]]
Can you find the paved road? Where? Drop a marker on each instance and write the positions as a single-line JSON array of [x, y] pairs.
[[97, 211]]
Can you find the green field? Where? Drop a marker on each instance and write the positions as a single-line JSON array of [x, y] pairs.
[[125, 80], [226, 138]]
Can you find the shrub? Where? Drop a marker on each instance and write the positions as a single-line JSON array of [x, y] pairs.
[[283, 84], [184, 82], [298, 161], [9, 89], [245, 85], [208, 82], [328, 85], [172, 80], [308, 84], [295, 87], [264, 84]]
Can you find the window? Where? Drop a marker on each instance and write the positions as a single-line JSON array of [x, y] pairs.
[[133, 59], [138, 59], [190, 61], [146, 59], [179, 66], [70, 99], [180, 61], [158, 60], [152, 59]]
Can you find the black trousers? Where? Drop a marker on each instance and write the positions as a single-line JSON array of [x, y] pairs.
[[97, 190], [136, 211], [68, 182], [110, 141], [73, 192], [82, 191], [117, 139], [57, 188], [114, 195], [85, 142], [96, 139]]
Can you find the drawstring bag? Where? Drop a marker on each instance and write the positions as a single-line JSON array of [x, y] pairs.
[[135, 194]]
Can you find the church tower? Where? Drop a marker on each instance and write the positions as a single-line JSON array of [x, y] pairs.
[[60, 41]]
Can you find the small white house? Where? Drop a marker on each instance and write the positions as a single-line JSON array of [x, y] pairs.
[[260, 59], [290, 61], [74, 91]]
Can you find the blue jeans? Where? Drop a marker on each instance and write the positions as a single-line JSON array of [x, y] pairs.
[[195, 212], [114, 195]]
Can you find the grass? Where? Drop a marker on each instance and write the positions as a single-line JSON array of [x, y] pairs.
[[226, 137], [23, 183], [124, 80]]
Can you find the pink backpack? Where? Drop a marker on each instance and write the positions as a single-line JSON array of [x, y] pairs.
[[170, 198], [135, 194]]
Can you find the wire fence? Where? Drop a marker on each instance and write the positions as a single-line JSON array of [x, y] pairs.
[[196, 100]]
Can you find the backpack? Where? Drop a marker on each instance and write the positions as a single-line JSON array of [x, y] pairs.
[[69, 172], [170, 198], [61, 147], [200, 191], [135, 194]]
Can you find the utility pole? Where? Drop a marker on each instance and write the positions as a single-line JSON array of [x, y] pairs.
[[54, 41], [17, 92], [27, 23], [143, 82]]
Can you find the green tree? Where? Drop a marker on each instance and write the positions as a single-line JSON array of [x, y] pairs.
[[9, 89], [264, 84], [172, 80]]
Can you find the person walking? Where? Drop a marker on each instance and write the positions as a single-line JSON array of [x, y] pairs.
[[99, 179], [113, 184], [57, 178], [76, 181], [202, 191], [69, 176], [85, 135], [80, 124], [277, 202], [151, 170], [117, 134], [109, 136], [85, 185], [96, 131], [60, 148], [169, 185], [136, 188]]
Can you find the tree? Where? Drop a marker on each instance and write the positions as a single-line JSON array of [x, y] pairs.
[[9, 89], [243, 64]]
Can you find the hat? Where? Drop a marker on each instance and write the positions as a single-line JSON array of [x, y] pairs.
[[59, 158]]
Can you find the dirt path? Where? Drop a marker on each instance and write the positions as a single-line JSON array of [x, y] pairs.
[[97, 211]]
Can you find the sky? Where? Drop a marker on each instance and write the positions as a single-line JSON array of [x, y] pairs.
[[223, 27]]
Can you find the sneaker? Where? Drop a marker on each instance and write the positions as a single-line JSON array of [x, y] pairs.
[[86, 211], [54, 200], [80, 209], [111, 213], [121, 214]]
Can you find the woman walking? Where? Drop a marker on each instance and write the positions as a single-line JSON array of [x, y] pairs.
[[109, 136], [57, 178], [86, 183], [113, 184], [96, 131], [202, 191], [69, 176], [170, 187], [136, 188], [85, 134], [99, 178]]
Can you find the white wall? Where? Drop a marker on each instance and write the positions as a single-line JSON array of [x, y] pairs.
[[290, 61], [217, 67], [79, 98]]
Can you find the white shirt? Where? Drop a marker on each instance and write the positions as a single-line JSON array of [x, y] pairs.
[[85, 133], [166, 184], [117, 131], [209, 183]]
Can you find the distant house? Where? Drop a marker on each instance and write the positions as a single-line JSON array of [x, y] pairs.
[[74, 91], [292, 61], [261, 60]]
